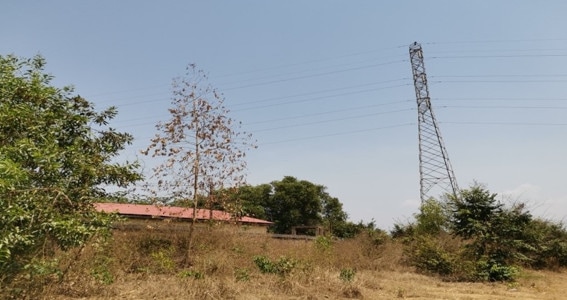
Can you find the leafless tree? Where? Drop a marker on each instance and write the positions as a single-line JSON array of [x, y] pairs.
[[203, 149]]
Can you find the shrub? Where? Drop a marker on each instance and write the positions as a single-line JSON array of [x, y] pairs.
[[347, 275], [492, 270], [548, 241], [162, 261], [429, 256], [283, 266], [191, 274], [432, 218], [323, 243], [241, 274]]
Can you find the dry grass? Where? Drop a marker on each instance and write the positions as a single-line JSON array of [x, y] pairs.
[[153, 265]]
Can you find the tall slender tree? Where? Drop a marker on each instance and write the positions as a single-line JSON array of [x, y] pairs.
[[203, 148]]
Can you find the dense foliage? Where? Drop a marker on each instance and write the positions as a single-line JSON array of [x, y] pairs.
[[476, 237], [291, 202], [56, 156]]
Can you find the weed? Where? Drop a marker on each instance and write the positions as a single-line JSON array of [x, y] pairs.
[[492, 270], [241, 274], [191, 274], [283, 266], [323, 243], [102, 273], [162, 261], [264, 264], [347, 275]]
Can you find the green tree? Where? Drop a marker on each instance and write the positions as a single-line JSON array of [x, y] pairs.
[[56, 157], [254, 199], [496, 233], [475, 214], [290, 202], [432, 218], [293, 203], [333, 215]]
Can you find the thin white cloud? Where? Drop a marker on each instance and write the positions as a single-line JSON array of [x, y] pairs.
[[541, 204], [523, 192]]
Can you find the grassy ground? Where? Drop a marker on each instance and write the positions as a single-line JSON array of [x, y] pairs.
[[223, 265]]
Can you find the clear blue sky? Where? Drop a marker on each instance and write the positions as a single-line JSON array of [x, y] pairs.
[[325, 86]]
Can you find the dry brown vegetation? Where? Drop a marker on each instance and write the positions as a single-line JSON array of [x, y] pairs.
[[152, 265]]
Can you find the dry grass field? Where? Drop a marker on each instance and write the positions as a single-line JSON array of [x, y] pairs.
[[223, 265]]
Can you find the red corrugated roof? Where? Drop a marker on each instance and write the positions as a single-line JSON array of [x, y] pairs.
[[171, 212]]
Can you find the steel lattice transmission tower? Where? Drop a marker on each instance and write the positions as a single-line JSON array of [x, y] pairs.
[[435, 171]]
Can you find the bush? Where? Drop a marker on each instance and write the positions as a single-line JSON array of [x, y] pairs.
[[323, 243], [283, 266], [492, 270], [428, 255], [191, 274], [432, 218], [548, 241], [347, 275], [241, 274]]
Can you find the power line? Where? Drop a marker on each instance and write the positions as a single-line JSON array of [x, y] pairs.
[[497, 41], [356, 68], [326, 113], [500, 99], [338, 134], [313, 75], [498, 56], [367, 52], [267, 99], [333, 120], [307, 62], [298, 117], [316, 69], [500, 76], [499, 50], [319, 92], [501, 81], [504, 123], [502, 107], [320, 97]]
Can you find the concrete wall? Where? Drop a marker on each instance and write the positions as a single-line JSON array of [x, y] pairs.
[[176, 225]]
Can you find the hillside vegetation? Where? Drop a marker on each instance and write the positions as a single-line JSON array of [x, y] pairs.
[[232, 265], [58, 157]]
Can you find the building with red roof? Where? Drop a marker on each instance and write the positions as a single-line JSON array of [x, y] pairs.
[[152, 213]]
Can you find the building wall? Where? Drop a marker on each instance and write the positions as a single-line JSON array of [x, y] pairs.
[[176, 225]]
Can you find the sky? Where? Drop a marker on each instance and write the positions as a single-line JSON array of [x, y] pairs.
[[326, 86]]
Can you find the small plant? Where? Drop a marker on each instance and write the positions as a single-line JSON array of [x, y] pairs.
[[241, 274], [101, 271], [163, 261], [428, 256], [323, 243], [43, 268], [347, 275], [191, 274], [491, 270], [283, 266], [264, 264]]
